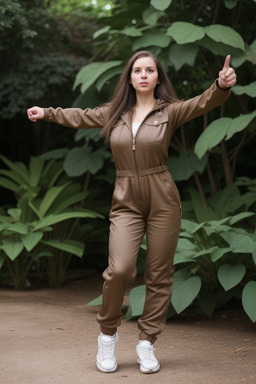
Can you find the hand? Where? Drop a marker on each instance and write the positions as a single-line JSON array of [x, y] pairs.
[[35, 113], [227, 76]]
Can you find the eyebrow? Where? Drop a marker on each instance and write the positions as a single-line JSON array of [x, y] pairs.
[[146, 68]]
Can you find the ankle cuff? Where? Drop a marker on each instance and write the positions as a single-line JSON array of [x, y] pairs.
[[108, 331], [145, 336]]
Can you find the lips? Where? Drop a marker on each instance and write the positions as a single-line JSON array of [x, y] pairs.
[[143, 83]]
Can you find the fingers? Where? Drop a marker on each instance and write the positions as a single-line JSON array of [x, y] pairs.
[[227, 61], [227, 76], [35, 113]]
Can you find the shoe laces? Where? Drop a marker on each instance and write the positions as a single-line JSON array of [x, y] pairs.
[[107, 350], [147, 353]]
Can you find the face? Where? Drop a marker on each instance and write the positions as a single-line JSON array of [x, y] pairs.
[[144, 75]]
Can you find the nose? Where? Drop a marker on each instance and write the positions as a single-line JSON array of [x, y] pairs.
[[143, 73]]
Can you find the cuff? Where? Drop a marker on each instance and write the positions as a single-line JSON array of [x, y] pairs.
[[223, 89]]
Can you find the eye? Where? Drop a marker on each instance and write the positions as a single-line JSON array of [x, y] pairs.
[[136, 70], [150, 70]]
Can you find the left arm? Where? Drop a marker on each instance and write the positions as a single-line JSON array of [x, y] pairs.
[[217, 94]]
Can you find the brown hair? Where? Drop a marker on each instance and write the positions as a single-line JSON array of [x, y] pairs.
[[125, 96]]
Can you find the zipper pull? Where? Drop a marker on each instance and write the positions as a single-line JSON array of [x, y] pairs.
[[133, 144]]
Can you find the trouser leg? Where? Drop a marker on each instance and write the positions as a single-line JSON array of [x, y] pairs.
[[126, 233], [162, 237]]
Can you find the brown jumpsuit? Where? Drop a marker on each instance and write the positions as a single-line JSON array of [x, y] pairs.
[[145, 200]]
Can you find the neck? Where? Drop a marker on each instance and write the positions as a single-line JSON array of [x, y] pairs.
[[144, 101]]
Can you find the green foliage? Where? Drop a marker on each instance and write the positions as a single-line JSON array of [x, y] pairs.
[[221, 129], [86, 158], [210, 256], [38, 227]]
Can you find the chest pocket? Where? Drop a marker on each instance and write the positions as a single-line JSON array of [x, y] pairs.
[[156, 127]]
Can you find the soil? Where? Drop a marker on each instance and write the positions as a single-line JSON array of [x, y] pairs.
[[49, 336]]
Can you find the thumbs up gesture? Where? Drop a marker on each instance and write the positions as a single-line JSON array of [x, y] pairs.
[[227, 76]]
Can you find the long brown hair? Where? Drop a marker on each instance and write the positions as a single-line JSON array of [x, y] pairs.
[[125, 96]]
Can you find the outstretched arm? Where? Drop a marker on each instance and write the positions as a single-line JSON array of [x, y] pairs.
[[71, 117], [217, 94]]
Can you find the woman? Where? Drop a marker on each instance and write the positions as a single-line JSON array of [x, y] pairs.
[[139, 123]]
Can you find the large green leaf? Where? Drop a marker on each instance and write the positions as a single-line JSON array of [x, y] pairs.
[[213, 135], [185, 289], [18, 228], [36, 165], [239, 124], [240, 216], [249, 300], [230, 3], [239, 243], [49, 198], [225, 35], [101, 31], [217, 253], [249, 89], [149, 39], [71, 246], [70, 201], [150, 16], [15, 213], [19, 170], [183, 167], [220, 129], [238, 56], [31, 240], [185, 33], [185, 251], [82, 159], [14, 176], [106, 77], [161, 5], [131, 31], [230, 275], [54, 219], [91, 72], [180, 54], [56, 153], [136, 302], [97, 301], [12, 247], [8, 184]]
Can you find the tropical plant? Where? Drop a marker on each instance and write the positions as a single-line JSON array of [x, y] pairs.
[[46, 199], [210, 257], [194, 49]]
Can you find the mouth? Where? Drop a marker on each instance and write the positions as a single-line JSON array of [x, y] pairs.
[[143, 83]]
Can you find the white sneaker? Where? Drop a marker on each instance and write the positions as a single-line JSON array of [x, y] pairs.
[[146, 357], [106, 360]]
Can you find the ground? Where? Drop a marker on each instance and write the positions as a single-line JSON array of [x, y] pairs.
[[49, 336]]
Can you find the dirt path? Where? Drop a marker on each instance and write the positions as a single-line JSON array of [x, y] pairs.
[[50, 337]]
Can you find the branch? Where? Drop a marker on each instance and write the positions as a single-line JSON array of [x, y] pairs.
[[200, 189]]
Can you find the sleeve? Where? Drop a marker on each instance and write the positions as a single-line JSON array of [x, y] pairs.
[[77, 118], [184, 111]]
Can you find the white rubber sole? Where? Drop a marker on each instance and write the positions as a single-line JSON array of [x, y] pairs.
[[106, 370], [148, 371]]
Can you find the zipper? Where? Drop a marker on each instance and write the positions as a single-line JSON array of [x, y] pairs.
[[134, 138], [136, 167]]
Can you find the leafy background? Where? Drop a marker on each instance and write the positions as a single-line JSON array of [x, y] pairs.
[[64, 53]]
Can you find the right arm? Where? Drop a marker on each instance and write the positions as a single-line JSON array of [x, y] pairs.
[[71, 117]]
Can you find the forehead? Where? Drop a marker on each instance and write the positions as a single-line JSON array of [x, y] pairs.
[[144, 62]]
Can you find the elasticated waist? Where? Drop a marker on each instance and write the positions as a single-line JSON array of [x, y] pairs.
[[141, 172]]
